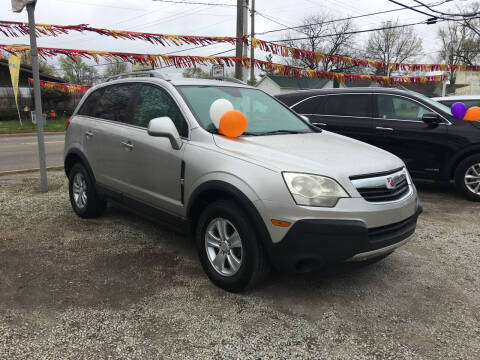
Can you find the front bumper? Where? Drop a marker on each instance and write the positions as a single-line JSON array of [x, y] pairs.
[[312, 243]]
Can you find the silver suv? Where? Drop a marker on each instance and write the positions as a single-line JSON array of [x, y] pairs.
[[283, 194]]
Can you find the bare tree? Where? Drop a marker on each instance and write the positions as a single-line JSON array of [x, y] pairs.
[[460, 46], [393, 45], [115, 68], [322, 35]]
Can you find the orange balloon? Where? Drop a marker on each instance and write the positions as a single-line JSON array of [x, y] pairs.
[[472, 114], [232, 124]]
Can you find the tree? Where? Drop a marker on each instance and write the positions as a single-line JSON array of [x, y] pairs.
[[395, 45], [460, 43], [322, 35], [77, 72], [195, 72], [115, 68], [51, 97], [44, 66]]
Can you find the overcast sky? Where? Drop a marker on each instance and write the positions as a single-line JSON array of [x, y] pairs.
[[169, 18]]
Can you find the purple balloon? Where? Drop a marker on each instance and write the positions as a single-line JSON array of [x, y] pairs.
[[458, 110]]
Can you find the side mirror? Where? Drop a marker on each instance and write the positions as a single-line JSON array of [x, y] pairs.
[[431, 118], [164, 127], [306, 118]]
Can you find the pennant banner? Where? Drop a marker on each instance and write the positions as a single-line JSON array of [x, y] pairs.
[[13, 28], [160, 60], [70, 88]]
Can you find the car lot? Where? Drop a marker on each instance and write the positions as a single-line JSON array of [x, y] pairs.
[[120, 286]]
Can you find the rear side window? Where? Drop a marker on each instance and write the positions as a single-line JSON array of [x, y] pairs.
[[311, 106], [154, 102], [399, 108], [89, 106], [115, 102], [348, 105]]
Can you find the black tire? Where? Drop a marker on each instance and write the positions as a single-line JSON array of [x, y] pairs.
[[254, 266], [460, 174], [94, 205]]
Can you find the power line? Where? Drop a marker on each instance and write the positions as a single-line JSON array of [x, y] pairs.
[[343, 19], [194, 3], [443, 13], [433, 16], [356, 31]]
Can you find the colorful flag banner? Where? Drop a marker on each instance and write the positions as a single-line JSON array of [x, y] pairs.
[[70, 88], [160, 60], [14, 66], [14, 28]]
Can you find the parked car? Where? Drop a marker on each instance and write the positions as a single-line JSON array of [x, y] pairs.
[[285, 193], [468, 100], [421, 131]]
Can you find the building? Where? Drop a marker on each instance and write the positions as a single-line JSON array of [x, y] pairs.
[[7, 98], [279, 84], [467, 83]]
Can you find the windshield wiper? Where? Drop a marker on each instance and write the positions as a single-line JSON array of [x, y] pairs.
[[273, 132]]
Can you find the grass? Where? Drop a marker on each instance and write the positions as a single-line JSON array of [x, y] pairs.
[[13, 126]]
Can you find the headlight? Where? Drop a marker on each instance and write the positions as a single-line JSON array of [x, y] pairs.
[[314, 190]]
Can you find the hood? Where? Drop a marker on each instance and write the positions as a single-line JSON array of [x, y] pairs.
[[322, 153]]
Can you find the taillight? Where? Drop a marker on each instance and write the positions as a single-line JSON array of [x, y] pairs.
[[68, 122]]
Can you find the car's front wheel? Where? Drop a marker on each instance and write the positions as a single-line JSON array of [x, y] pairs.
[[83, 196], [230, 251], [467, 177]]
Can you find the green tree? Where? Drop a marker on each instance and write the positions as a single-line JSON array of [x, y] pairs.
[[77, 72], [195, 72], [51, 97], [115, 68]]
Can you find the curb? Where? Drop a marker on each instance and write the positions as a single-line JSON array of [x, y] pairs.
[[32, 134], [22, 171]]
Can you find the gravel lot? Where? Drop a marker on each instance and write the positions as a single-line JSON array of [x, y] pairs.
[[122, 287]]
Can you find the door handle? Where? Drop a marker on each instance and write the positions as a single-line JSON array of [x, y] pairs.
[[88, 134], [384, 128], [128, 145], [318, 124]]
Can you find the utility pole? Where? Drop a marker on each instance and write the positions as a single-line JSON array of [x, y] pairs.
[[239, 49], [252, 50]]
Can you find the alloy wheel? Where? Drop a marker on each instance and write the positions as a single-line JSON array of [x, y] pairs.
[[79, 190], [223, 246], [472, 178]]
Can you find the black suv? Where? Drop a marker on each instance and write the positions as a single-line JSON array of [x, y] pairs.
[[421, 131]]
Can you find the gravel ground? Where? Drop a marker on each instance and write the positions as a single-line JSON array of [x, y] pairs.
[[122, 287]]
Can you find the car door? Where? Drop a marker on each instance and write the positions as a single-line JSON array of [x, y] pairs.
[[346, 114], [88, 126], [400, 130], [155, 167], [113, 115]]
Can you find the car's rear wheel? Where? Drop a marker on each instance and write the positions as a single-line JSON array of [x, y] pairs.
[[230, 251], [83, 196], [467, 177]]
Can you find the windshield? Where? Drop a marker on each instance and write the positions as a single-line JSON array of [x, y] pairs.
[[435, 104], [264, 114]]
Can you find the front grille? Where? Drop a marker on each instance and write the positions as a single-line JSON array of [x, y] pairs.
[[383, 188], [384, 194]]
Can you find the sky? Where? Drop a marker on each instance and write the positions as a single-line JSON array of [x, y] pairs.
[[211, 20]]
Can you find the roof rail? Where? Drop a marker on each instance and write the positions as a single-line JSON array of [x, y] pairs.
[[228, 79], [148, 73]]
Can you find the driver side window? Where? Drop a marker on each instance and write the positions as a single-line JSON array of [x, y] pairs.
[[398, 108], [154, 102]]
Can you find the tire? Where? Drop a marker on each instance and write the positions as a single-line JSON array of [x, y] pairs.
[[467, 177], [83, 196], [244, 262]]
